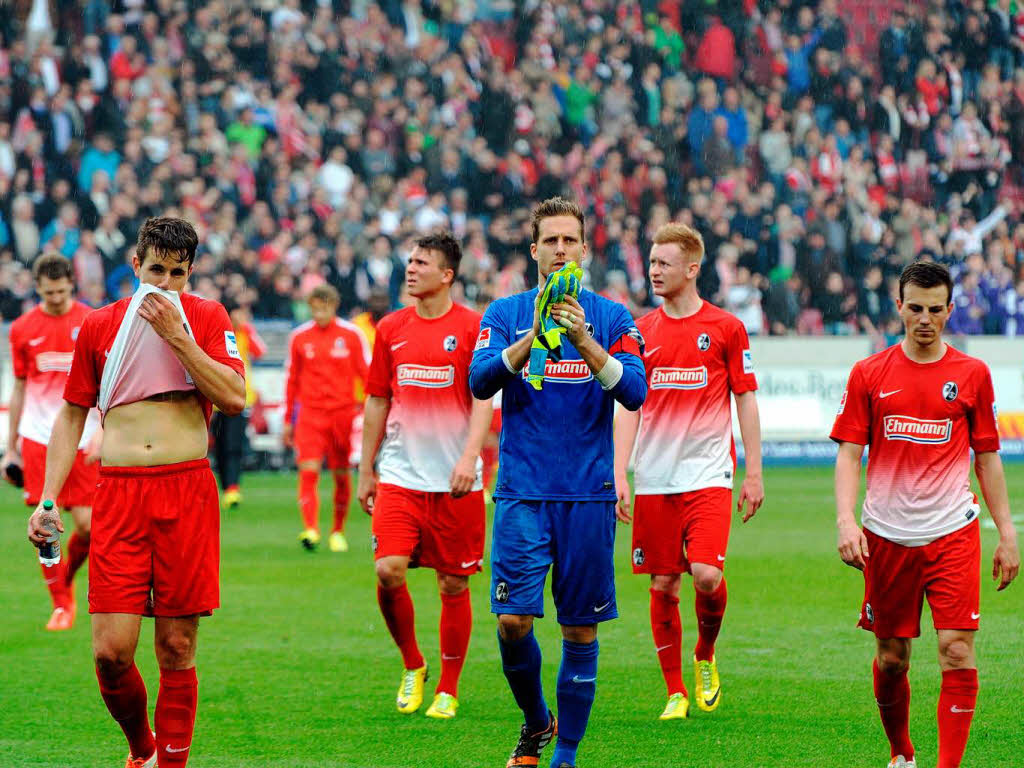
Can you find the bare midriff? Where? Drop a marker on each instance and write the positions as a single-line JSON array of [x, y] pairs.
[[163, 429]]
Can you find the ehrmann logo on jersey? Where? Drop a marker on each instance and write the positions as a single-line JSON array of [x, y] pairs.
[[566, 372], [679, 378], [49, 362], [913, 430], [435, 377]]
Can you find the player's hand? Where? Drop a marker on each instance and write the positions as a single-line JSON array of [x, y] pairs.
[[1005, 562], [37, 532], [752, 495], [624, 500], [853, 545], [10, 457], [288, 436], [463, 476], [570, 315], [366, 491], [162, 316]]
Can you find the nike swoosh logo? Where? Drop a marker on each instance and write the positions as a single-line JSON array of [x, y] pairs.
[[449, 658], [107, 353], [169, 748], [399, 345], [661, 648], [578, 679], [956, 710], [36, 342], [599, 608], [521, 331], [883, 395], [714, 698], [721, 558], [975, 616], [470, 564], [650, 352]]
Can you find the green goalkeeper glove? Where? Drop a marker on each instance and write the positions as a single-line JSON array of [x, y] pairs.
[[548, 344]]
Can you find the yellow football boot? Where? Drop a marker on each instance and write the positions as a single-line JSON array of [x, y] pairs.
[[709, 689], [677, 708], [444, 707], [410, 690]]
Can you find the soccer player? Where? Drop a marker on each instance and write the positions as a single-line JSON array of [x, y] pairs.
[[154, 363], [696, 356], [229, 431], [555, 496], [428, 506], [922, 406], [42, 342], [327, 358]]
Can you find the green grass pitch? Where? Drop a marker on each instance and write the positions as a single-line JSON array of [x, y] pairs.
[[297, 669]]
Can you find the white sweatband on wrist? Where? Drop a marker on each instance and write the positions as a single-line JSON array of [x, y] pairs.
[[610, 374], [508, 365]]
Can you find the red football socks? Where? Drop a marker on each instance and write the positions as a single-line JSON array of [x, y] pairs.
[[78, 551], [309, 499], [342, 497], [125, 698], [710, 608], [56, 579], [892, 694], [667, 628], [175, 715], [396, 607], [456, 624], [957, 698]]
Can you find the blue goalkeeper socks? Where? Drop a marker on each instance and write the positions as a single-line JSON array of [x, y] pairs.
[[520, 660], [577, 685]]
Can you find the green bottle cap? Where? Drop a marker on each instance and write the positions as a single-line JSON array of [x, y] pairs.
[[48, 505]]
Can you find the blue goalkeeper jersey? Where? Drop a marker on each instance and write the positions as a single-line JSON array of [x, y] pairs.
[[556, 443]]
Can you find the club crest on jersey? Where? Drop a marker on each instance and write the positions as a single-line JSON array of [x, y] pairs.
[[950, 391], [703, 342], [638, 556], [565, 372], [484, 339], [340, 348], [74, 332], [501, 592], [679, 378], [450, 343], [913, 430], [430, 376]]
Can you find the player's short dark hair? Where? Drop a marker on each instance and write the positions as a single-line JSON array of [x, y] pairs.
[[52, 266], [445, 244], [326, 292], [165, 236], [927, 274], [556, 206]]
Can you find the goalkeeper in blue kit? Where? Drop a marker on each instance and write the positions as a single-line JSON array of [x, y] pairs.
[[555, 496]]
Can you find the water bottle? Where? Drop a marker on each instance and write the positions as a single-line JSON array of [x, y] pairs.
[[49, 553]]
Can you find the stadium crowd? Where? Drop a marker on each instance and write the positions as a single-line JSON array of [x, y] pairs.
[[313, 141]]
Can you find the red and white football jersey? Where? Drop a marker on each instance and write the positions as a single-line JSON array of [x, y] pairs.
[[919, 419], [210, 327], [324, 365], [42, 347], [693, 364], [423, 367]]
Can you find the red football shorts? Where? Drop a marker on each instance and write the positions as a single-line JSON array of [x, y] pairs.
[[434, 530], [672, 530], [78, 489], [155, 547], [897, 578], [324, 436]]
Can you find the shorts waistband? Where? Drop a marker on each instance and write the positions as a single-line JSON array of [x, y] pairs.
[[156, 470]]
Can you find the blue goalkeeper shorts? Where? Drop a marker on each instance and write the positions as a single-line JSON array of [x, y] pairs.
[[575, 539]]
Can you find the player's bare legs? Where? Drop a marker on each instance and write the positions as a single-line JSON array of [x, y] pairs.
[[456, 626], [115, 637], [958, 694], [892, 693], [399, 615], [667, 630], [309, 501]]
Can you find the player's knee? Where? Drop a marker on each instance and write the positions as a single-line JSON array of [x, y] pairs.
[[111, 662], [450, 584], [176, 649], [706, 579], [583, 635], [512, 628], [893, 657], [666, 583], [956, 652], [389, 573]]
